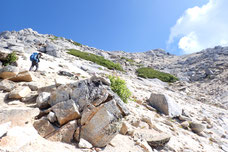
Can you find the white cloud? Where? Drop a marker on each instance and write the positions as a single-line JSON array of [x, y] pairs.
[[189, 43], [202, 27]]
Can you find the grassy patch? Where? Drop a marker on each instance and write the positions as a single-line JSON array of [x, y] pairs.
[[132, 62], [140, 65], [119, 86], [75, 43], [11, 58], [128, 60], [151, 73], [55, 38], [96, 59]]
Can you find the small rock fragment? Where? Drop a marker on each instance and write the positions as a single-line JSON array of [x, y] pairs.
[[52, 117], [42, 100], [19, 92], [43, 126], [185, 124], [158, 141], [30, 98], [197, 127], [184, 118], [4, 128], [65, 133], [7, 85], [77, 135], [124, 128], [84, 144], [146, 147], [34, 86]]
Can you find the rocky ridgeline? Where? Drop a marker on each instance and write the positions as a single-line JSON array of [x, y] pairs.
[[194, 67], [29, 41], [205, 64], [65, 106]]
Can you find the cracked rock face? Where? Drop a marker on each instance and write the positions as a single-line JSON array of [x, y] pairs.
[[66, 111], [95, 110]]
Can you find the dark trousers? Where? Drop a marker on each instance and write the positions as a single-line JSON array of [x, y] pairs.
[[34, 63]]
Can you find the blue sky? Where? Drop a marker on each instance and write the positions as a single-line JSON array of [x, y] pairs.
[[128, 25]]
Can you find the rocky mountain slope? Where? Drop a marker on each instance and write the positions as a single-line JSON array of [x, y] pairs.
[[196, 119]]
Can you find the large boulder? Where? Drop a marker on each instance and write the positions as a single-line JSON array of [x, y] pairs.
[[102, 125], [165, 104], [101, 109], [59, 95], [84, 94], [24, 76], [19, 92], [52, 49], [66, 111], [8, 72]]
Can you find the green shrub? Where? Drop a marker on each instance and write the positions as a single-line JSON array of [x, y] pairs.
[[140, 65], [119, 86], [151, 73], [96, 59], [55, 38], [75, 43], [11, 58], [127, 59]]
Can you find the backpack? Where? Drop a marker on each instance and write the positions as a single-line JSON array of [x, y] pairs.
[[33, 57]]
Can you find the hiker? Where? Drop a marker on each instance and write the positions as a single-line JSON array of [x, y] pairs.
[[35, 58]]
